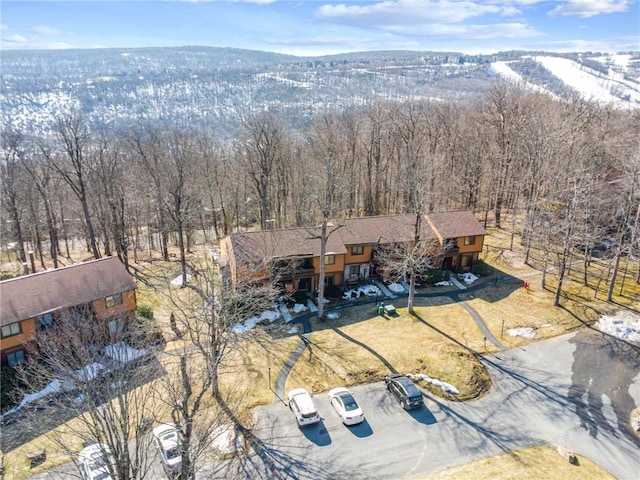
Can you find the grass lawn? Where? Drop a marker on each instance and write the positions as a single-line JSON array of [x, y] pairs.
[[441, 340], [537, 463], [357, 348]]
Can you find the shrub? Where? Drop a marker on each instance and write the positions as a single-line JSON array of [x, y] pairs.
[[145, 333], [433, 275], [144, 311], [9, 386], [480, 268], [299, 297], [333, 291]]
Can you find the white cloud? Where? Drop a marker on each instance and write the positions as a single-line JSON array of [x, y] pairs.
[[408, 12], [258, 2], [14, 39], [470, 32], [589, 8], [430, 18], [3, 26], [59, 46], [45, 30]]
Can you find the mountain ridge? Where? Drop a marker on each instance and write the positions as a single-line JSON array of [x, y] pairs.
[[214, 87]]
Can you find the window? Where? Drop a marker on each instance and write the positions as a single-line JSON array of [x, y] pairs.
[[329, 259], [357, 250], [466, 261], [113, 300], [354, 270], [115, 326], [15, 358], [44, 321], [10, 330], [469, 240]]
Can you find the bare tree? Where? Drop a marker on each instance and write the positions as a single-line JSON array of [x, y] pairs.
[[324, 146], [11, 180], [207, 314], [71, 164], [102, 394], [148, 150], [260, 153]]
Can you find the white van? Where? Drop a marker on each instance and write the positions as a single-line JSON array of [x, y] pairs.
[[302, 406]]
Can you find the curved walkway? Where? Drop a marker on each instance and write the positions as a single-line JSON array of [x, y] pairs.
[[305, 322]]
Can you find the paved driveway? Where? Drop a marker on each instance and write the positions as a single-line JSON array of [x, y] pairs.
[[576, 390]]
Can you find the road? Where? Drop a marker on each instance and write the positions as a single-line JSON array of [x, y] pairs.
[[576, 390]]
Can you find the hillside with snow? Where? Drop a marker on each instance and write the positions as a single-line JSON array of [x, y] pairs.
[[214, 88], [607, 79]]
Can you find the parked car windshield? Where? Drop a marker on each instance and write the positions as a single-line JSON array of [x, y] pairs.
[[172, 453], [348, 402]]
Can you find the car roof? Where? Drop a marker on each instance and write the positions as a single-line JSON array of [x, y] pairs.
[[303, 400], [297, 391], [96, 448], [405, 382], [164, 428], [339, 391], [167, 434]]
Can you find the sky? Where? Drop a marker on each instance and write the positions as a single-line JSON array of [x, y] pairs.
[[321, 27]]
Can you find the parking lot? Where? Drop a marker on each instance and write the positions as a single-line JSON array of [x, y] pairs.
[[529, 404], [573, 390]]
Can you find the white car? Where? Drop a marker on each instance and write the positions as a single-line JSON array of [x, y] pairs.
[[346, 406], [302, 406], [97, 463], [165, 438]]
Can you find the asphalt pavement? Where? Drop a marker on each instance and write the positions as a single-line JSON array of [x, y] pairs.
[[576, 390]]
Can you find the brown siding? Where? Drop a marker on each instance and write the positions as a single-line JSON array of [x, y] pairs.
[[128, 305], [364, 258], [27, 327]]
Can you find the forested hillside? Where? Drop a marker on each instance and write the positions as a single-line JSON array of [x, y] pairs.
[[552, 169], [214, 88]]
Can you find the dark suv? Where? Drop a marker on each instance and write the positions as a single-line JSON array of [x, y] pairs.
[[404, 390]]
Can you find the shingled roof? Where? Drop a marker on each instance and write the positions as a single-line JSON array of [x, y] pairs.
[[39, 293], [455, 224], [256, 247], [382, 229]]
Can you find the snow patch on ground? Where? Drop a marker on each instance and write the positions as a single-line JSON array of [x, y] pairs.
[[333, 315], [123, 353], [446, 387], [177, 282], [468, 278], [623, 325], [444, 283], [396, 288], [299, 308], [525, 332], [251, 322], [293, 330], [53, 387], [367, 290], [90, 372], [224, 440]]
